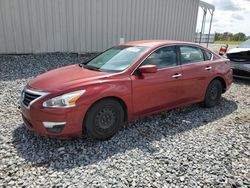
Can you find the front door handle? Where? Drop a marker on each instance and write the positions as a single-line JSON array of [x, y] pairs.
[[208, 68], [177, 75]]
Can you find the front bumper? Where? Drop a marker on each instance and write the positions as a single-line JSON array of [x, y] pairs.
[[241, 69], [61, 123]]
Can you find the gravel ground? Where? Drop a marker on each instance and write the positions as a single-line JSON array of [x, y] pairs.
[[187, 147]]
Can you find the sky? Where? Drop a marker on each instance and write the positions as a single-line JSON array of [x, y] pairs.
[[229, 16]]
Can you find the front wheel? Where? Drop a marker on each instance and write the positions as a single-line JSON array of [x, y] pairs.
[[104, 119], [213, 93]]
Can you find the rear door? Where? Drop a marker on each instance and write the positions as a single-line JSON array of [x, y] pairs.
[[197, 70], [154, 91]]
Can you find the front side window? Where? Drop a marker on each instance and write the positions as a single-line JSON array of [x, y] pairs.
[[162, 58], [191, 54], [116, 59]]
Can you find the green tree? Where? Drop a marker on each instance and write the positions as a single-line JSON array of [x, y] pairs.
[[239, 37], [227, 36]]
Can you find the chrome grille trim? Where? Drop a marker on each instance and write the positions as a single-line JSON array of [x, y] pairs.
[[29, 96]]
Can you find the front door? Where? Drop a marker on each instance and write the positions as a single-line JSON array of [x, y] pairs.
[[154, 91]]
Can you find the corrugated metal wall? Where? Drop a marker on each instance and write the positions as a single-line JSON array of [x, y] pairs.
[[33, 26]]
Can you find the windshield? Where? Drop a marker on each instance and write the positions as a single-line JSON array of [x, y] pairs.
[[245, 44], [116, 59]]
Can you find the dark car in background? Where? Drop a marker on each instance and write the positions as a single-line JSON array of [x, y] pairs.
[[240, 60]]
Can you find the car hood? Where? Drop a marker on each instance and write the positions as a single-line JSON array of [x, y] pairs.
[[64, 78]]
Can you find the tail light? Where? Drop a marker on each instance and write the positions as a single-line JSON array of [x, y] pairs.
[[223, 50]]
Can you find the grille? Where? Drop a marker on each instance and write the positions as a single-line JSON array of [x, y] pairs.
[[29, 97]]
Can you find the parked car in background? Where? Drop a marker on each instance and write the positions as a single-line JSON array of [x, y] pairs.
[[240, 60], [124, 83]]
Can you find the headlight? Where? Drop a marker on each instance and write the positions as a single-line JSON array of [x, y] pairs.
[[64, 101]]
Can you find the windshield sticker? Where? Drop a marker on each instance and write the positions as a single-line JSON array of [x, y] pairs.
[[133, 49]]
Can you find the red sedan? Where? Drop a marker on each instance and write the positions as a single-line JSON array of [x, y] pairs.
[[124, 83]]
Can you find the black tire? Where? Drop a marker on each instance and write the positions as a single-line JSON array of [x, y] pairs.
[[213, 94], [104, 119]]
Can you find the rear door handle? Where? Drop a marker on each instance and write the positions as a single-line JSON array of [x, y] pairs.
[[177, 75], [208, 68]]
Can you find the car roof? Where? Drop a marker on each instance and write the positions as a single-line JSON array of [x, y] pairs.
[[156, 43]]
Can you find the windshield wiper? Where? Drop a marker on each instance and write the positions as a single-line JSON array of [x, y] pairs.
[[89, 67]]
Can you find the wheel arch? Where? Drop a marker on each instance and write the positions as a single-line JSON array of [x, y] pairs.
[[120, 100], [223, 82]]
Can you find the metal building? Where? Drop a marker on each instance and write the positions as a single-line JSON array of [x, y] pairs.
[[35, 26]]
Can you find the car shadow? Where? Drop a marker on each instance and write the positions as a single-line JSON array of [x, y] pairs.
[[65, 154]]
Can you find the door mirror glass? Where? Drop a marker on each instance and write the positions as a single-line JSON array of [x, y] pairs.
[[148, 69]]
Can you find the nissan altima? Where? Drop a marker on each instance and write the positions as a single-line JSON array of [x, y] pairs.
[[123, 83]]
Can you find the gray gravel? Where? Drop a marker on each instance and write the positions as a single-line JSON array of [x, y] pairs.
[[187, 147]]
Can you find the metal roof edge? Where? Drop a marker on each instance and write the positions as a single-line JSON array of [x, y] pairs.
[[206, 5]]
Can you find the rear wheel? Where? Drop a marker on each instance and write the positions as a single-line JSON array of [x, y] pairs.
[[104, 119], [213, 93]]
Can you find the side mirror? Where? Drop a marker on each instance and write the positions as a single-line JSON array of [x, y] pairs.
[[148, 69]]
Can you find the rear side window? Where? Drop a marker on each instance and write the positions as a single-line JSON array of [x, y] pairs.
[[191, 54], [162, 58]]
